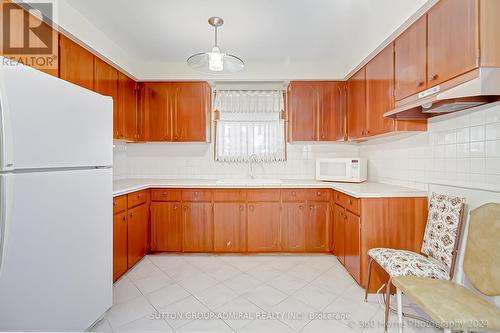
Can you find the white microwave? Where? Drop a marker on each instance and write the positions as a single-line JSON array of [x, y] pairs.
[[353, 170]]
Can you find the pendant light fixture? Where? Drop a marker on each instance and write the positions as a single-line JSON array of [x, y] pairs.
[[215, 62]]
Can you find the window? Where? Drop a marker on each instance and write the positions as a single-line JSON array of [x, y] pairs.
[[250, 127]]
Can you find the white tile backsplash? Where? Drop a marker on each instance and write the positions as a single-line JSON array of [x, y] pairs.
[[460, 148], [196, 160]]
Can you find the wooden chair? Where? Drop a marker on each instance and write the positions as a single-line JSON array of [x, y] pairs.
[[450, 305], [439, 248]]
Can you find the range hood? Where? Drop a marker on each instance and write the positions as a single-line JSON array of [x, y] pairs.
[[475, 88]]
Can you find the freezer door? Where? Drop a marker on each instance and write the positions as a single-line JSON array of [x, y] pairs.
[[56, 272], [46, 122]]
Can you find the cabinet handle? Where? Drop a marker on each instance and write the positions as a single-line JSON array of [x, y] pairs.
[[115, 204], [350, 202], [228, 244], [176, 137], [185, 207], [251, 208], [131, 215], [294, 193], [311, 207], [419, 83], [175, 206], [196, 194], [124, 218], [318, 193], [165, 194], [301, 207], [434, 77], [242, 207]]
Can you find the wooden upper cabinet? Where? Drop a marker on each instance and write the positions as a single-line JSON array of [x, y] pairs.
[[156, 108], [106, 83], [166, 226], [230, 226], [316, 111], [293, 226], [410, 50], [453, 39], [356, 104], [127, 108], [263, 226], [76, 64], [197, 227], [190, 108], [380, 92], [331, 122], [303, 104], [317, 227]]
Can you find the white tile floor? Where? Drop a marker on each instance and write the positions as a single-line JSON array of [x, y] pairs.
[[271, 293]]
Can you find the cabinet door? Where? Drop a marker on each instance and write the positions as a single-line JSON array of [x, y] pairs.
[[197, 227], [303, 104], [380, 92], [338, 233], [157, 100], [411, 60], [76, 65], [230, 226], [119, 245], [166, 226], [331, 116], [263, 226], [190, 112], [352, 244], [127, 108], [356, 104], [452, 39], [317, 227], [137, 233], [293, 226], [106, 83]]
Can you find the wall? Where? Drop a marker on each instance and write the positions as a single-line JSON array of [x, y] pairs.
[[460, 149], [196, 160]]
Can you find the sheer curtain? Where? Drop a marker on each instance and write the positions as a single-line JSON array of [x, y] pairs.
[[249, 127]]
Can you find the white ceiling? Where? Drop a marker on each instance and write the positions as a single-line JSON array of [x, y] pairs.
[[278, 39]]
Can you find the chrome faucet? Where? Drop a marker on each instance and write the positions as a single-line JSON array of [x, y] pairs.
[[251, 160]]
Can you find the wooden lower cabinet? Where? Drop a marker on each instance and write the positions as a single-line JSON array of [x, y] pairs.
[[362, 224], [119, 244], [197, 227], [230, 226], [316, 230], [338, 232], [166, 226], [352, 245], [293, 226], [263, 226], [137, 233]]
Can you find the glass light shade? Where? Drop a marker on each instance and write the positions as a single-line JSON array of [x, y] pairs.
[[215, 62]]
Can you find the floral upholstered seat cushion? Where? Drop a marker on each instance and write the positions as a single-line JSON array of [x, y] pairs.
[[442, 228], [407, 263]]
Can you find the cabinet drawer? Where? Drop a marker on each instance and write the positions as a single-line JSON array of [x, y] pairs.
[[353, 205], [340, 198], [318, 195], [263, 195], [137, 198], [119, 204], [294, 194], [197, 195], [165, 195], [230, 195]]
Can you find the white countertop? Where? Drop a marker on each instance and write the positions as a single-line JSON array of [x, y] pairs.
[[362, 190]]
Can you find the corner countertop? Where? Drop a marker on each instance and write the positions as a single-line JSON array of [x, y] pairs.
[[361, 190]]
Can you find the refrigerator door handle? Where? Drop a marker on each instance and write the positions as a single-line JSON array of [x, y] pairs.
[[6, 154], [5, 211]]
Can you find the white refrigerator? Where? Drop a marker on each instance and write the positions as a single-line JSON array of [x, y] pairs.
[[56, 226]]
